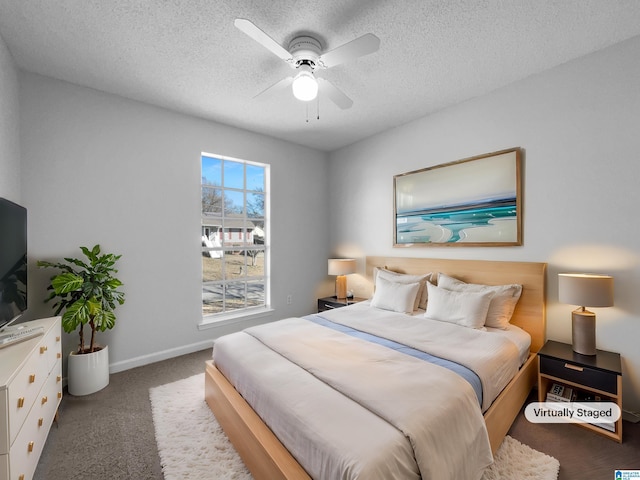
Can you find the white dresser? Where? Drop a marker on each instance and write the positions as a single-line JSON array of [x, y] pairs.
[[30, 392]]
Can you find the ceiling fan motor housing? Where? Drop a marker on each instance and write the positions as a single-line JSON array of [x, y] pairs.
[[305, 51]]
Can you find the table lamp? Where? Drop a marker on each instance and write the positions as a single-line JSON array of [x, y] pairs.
[[341, 267], [585, 290]]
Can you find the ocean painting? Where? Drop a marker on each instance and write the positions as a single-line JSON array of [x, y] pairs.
[[470, 202]]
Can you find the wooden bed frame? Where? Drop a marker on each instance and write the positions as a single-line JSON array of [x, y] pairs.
[[267, 459]]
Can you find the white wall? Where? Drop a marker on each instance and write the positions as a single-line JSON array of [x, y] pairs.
[[98, 168], [9, 133], [579, 126]]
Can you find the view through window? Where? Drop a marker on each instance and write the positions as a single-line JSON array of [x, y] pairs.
[[234, 227]]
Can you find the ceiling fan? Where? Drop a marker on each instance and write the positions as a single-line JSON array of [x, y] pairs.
[[305, 55]]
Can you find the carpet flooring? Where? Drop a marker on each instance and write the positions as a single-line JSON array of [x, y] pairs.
[[192, 444], [109, 435]]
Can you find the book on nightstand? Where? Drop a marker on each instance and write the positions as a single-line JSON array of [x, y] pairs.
[[560, 393]]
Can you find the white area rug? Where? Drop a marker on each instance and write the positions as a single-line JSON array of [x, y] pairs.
[[192, 445]]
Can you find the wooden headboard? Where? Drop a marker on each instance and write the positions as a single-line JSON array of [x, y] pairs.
[[530, 314]]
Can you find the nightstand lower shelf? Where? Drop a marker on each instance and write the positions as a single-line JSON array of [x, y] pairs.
[[544, 385], [594, 378]]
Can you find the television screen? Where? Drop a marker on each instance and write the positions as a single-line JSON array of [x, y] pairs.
[[13, 262]]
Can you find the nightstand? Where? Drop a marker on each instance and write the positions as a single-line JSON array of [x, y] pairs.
[[329, 303], [591, 376]]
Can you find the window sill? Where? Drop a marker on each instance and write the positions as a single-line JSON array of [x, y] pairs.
[[211, 321]]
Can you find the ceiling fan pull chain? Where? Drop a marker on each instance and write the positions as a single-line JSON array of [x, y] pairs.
[[306, 106], [318, 107]]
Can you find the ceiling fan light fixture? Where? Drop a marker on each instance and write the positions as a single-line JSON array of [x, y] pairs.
[[305, 85]]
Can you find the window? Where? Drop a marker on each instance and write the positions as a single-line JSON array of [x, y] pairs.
[[234, 233]]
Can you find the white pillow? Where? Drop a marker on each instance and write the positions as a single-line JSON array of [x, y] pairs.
[[502, 304], [468, 309], [390, 276], [399, 297]]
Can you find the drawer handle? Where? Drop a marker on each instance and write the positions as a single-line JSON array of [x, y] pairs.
[[44, 400], [40, 421], [32, 378], [573, 367], [328, 306], [43, 349], [30, 447], [21, 402]]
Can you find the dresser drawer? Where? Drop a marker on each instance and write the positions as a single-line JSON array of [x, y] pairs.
[[27, 447], [590, 377], [44, 410], [52, 350], [4, 466], [30, 393], [23, 391]]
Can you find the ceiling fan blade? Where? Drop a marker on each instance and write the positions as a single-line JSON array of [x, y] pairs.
[[359, 47], [335, 94], [276, 87], [262, 38]]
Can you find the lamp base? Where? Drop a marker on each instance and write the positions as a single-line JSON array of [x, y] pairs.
[[583, 332], [341, 287]]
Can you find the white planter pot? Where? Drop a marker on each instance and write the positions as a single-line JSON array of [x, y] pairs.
[[88, 373]]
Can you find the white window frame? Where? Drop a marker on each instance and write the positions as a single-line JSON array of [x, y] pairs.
[[247, 312]]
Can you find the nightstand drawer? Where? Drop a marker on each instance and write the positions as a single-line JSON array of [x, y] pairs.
[[329, 303], [579, 374]]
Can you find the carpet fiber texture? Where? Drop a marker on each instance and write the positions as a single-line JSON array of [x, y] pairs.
[[192, 445]]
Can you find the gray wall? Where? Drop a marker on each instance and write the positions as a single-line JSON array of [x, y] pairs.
[[98, 168], [579, 127], [9, 134]]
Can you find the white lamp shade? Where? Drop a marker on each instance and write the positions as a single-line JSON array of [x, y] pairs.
[[305, 85], [342, 266], [585, 289]]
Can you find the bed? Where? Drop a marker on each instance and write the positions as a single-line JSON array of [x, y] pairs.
[[264, 453]]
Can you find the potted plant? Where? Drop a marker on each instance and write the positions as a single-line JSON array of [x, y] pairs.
[[88, 293]]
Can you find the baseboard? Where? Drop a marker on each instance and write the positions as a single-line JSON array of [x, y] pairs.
[[159, 356]]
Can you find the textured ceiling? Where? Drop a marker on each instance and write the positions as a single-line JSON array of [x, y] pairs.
[[186, 55]]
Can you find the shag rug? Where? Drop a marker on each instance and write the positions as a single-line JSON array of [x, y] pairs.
[[193, 446]]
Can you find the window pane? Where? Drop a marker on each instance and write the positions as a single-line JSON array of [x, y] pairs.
[[255, 205], [255, 293], [211, 171], [212, 296], [233, 203], [233, 174], [211, 228], [235, 295], [255, 178], [235, 265], [255, 263], [211, 200], [211, 266]]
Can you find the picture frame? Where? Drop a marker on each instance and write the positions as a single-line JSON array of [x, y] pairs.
[[475, 201]]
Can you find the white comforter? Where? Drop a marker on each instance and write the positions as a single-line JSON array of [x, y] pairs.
[[492, 356], [346, 408]]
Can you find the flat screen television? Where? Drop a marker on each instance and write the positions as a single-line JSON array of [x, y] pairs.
[[13, 262]]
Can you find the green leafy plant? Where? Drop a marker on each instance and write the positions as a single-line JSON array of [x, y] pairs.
[[87, 291]]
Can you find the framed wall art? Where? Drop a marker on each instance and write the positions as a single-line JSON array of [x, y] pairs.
[[471, 202]]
